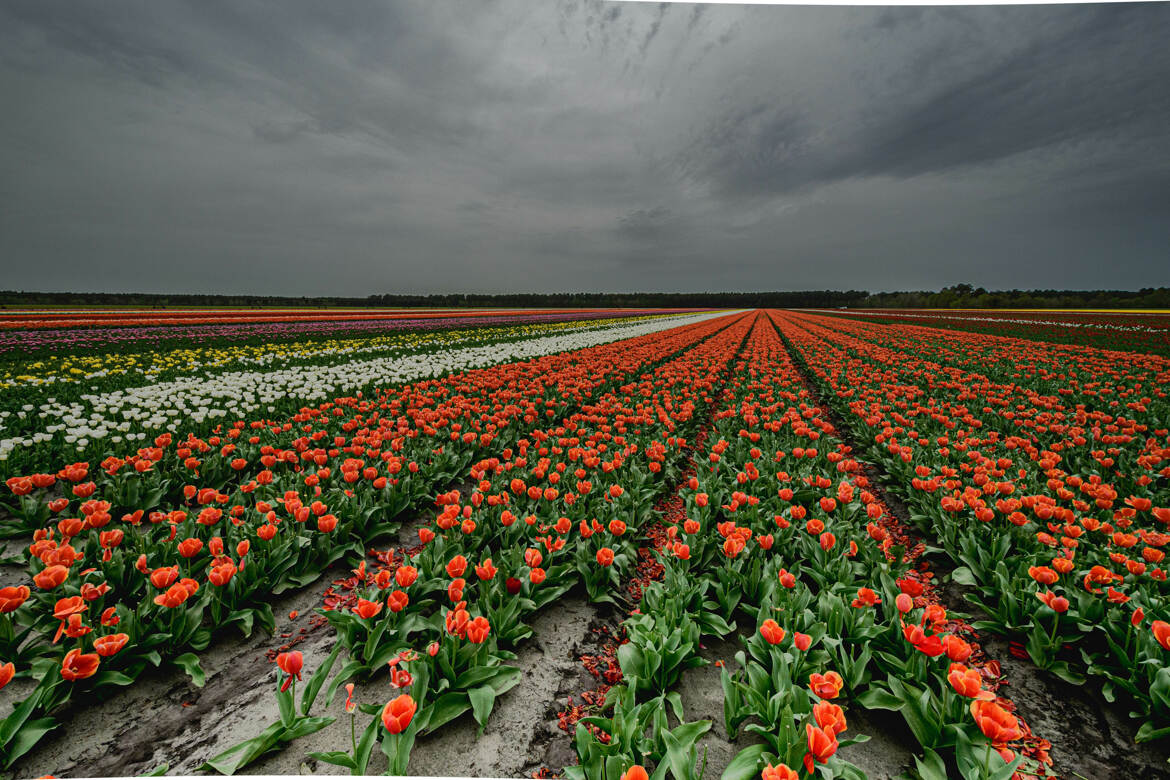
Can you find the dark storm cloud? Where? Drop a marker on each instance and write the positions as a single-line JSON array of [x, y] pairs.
[[350, 148]]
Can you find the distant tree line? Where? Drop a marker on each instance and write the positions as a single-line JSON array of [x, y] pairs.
[[956, 296], [964, 296]]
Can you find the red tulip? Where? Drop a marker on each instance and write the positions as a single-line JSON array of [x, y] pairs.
[[291, 664], [397, 601]]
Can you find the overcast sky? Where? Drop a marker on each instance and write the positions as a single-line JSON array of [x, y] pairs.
[[532, 145]]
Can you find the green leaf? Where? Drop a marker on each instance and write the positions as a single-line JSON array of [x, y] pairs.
[[931, 766], [745, 765], [676, 703], [336, 757], [963, 576], [189, 663], [158, 771], [288, 713], [245, 618], [1006, 771], [112, 678], [366, 745], [446, 708], [1149, 731], [689, 733], [27, 737], [880, 699], [482, 699], [305, 726], [676, 755], [347, 673], [13, 722], [317, 680], [1065, 672], [237, 756]]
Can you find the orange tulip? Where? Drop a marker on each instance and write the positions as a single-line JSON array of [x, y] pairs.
[[968, 683], [109, 645], [866, 597], [477, 630], [173, 597], [189, 548], [6, 673], [636, 772], [405, 576], [772, 632], [367, 609], [1043, 575], [221, 575], [1161, 631], [12, 597], [605, 556], [398, 713], [830, 717], [457, 620], [78, 665], [996, 723], [162, 578], [65, 609], [1053, 602], [826, 686], [956, 648], [51, 577], [456, 566], [780, 772], [821, 746]]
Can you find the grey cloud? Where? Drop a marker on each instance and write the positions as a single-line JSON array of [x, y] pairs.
[[438, 146]]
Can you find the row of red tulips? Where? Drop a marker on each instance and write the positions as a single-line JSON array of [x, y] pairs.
[[509, 549], [1043, 473], [782, 528], [210, 529]]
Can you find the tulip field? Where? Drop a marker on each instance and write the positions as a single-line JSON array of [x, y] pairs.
[[597, 545]]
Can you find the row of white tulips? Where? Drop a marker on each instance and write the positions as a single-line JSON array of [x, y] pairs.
[[137, 413]]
